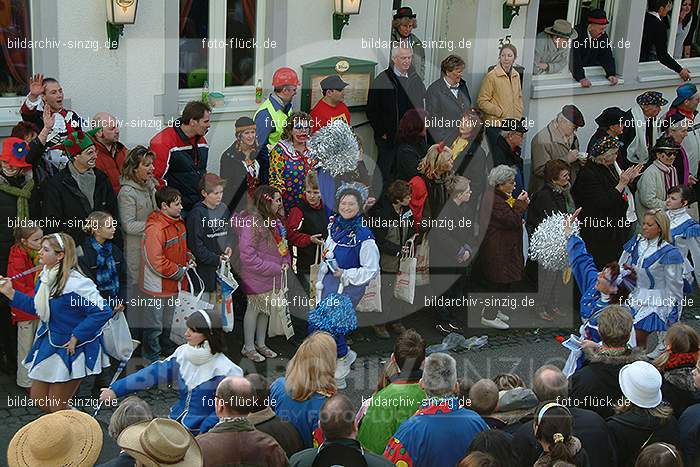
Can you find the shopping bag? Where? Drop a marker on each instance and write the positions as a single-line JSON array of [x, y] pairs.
[[405, 285], [372, 299], [228, 285], [186, 304], [313, 274], [423, 263], [280, 323], [116, 337]]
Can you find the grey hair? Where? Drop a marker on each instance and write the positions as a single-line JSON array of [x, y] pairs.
[[501, 174], [506, 133], [132, 410], [396, 47], [439, 374]]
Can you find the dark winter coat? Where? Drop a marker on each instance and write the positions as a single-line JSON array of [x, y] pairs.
[[64, 201], [549, 200], [391, 231], [598, 379], [689, 424], [604, 227], [281, 430], [679, 389], [455, 232], [231, 168], [501, 253], [586, 53], [445, 111], [632, 429], [208, 235], [388, 100], [407, 158], [589, 428], [655, 43]]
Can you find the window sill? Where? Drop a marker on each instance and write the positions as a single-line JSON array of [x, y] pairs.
[[655, 72], [567, 86]]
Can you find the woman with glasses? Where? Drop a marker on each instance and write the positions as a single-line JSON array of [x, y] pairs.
[[290, 161]]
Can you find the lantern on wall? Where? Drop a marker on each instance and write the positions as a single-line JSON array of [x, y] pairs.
[[119, 13], [341, 14], [511, 9]]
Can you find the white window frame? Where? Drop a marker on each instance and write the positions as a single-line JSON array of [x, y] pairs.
[[655, 71], [9, 106], [561, 80], [242, 98]]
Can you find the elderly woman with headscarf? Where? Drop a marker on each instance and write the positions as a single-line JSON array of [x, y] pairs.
[[601, 189], [557, 141], [501, 254]]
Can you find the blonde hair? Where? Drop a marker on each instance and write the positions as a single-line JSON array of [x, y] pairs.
[[67, 264], [662, 221], [312, 369], [95, 220], [457, 185], [432, 165]]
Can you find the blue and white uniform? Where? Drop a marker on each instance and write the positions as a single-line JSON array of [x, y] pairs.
[[657, 296], [685, 235], [197, 373], [79, 311], [592, 302]]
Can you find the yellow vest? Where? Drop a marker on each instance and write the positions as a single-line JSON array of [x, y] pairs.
[[279, 118]]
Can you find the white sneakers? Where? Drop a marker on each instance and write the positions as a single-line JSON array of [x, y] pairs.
[[495, 323], [342, 368], [502, 316]]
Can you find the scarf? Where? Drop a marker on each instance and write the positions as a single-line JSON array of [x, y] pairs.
[[22, 194], [343, 228], [197, 355], [47, 281], [279, 233], [679, 359], [670, 175], [510, 200], [86, 182], [566, 193], [107, 277]]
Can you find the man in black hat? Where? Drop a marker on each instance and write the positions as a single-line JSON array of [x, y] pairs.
[[331, 106], [446, 101], [611, 122], [644, 129], [402, 32], [552, 48], [557, 141], [592, 47], [508, 149], [394, 92], [655, 38]]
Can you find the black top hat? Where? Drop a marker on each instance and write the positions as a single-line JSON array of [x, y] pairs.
[[404, 12]]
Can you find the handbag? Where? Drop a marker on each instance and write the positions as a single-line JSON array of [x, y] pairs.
[[116, 337], [405, 284], [372, 299], [186, 304], [423, 263], [280, 321], [228, 285], [313, 274]]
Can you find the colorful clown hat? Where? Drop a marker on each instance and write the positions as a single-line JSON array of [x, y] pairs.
[[77, 142], [15, 152]]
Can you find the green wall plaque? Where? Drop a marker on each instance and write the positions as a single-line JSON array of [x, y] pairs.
[[359, 74]]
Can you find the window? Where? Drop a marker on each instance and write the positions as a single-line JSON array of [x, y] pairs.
[[680, 25], [218, 43], [16, 57]]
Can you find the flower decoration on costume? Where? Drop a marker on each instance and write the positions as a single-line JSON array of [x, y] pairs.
[[19, 150]]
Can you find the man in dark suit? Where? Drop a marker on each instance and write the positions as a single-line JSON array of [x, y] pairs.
[[655, 38], [394, 91], [592, 47], [446, 101]]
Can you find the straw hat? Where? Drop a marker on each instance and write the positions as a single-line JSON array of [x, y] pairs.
[[66, 438], [161, 442], [641, 384]]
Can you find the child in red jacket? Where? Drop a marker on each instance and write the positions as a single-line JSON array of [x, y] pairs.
[[24, 256]]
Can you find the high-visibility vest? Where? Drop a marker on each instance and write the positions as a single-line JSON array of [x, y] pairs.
[[279, 118]]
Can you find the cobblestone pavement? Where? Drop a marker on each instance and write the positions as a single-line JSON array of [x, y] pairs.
[[519, 350]]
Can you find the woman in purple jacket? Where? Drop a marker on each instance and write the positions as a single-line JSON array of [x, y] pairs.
[[264, 254]]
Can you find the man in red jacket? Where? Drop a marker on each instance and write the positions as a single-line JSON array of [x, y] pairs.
[[111, 154], [182, 152]]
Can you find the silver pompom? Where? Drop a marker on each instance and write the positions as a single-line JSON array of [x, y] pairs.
[[335, 149], [548, 243]]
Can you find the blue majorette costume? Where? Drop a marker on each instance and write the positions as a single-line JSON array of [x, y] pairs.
[[659, 292], [350, 246], [685, 235], [79, 311], [592, 302], [197, 372]]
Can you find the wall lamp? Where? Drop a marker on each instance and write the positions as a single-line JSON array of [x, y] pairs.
[[511, 9], [341, 14], [119, 13]]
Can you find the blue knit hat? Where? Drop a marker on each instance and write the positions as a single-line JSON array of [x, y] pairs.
[[683, 93]]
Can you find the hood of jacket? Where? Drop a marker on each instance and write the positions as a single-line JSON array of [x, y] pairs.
[[681, 377], [639, 419], [595, 356]]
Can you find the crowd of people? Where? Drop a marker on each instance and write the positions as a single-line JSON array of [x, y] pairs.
[[98, 232]]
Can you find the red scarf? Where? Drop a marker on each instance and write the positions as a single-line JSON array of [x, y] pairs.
[[669, 172], [676, 360]]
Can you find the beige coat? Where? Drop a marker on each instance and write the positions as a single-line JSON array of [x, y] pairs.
[[651, 191], [500, 96], [547, 145], [136, 203]]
